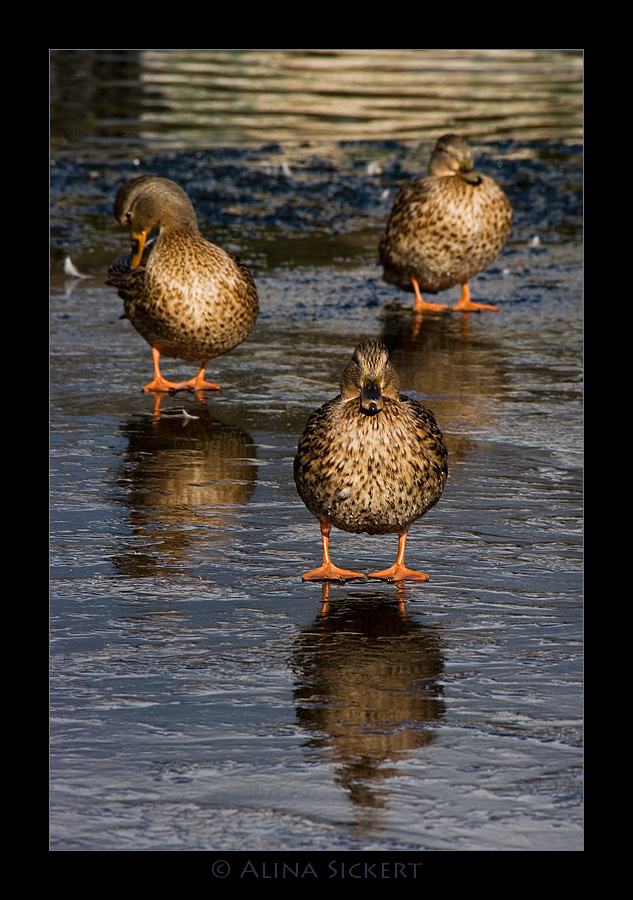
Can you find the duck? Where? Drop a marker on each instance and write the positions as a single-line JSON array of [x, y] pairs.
[[445, 227], [188, 298], [370, 460]]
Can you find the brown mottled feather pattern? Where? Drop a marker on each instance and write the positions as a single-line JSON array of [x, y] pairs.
[[190, 299], [444, 229], [371, 473]]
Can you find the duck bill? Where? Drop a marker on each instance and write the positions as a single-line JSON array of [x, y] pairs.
[[470, 176], [138, 245], [371, 400]]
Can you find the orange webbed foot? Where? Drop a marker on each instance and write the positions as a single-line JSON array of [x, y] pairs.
[[422, 304], [465, 304], [170, 387], [161, 385], [474, 307], [198, 384], [327, 571], [398, 572], [426, 306], [330, 572]]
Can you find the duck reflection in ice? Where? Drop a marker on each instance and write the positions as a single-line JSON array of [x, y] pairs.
[[367, 688], [186, 476]]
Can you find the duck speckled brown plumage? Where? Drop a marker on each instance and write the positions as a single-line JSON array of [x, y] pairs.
[[445, 228], [189, 299], [370, 460]]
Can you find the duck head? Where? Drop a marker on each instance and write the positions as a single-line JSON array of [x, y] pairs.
[[369, 378], [452, 156], [150, 200]]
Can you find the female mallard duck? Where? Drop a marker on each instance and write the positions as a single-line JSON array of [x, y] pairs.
[[370, 460], [189, 299], [445, 228]]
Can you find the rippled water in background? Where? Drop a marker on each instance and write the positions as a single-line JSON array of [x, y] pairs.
[[114, 101], [199, 697]]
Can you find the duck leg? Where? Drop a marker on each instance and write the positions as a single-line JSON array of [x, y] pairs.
[[465, 304], [421, 303], [328, 570], [162, 384], [398, 571]]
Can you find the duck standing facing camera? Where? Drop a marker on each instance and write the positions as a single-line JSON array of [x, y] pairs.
[[370, 460]]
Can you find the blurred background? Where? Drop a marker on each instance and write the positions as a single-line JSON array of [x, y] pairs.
[[105, 102]]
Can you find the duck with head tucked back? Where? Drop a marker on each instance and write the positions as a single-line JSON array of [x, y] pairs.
[[187, 297], [445, 228], [370, 460]]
